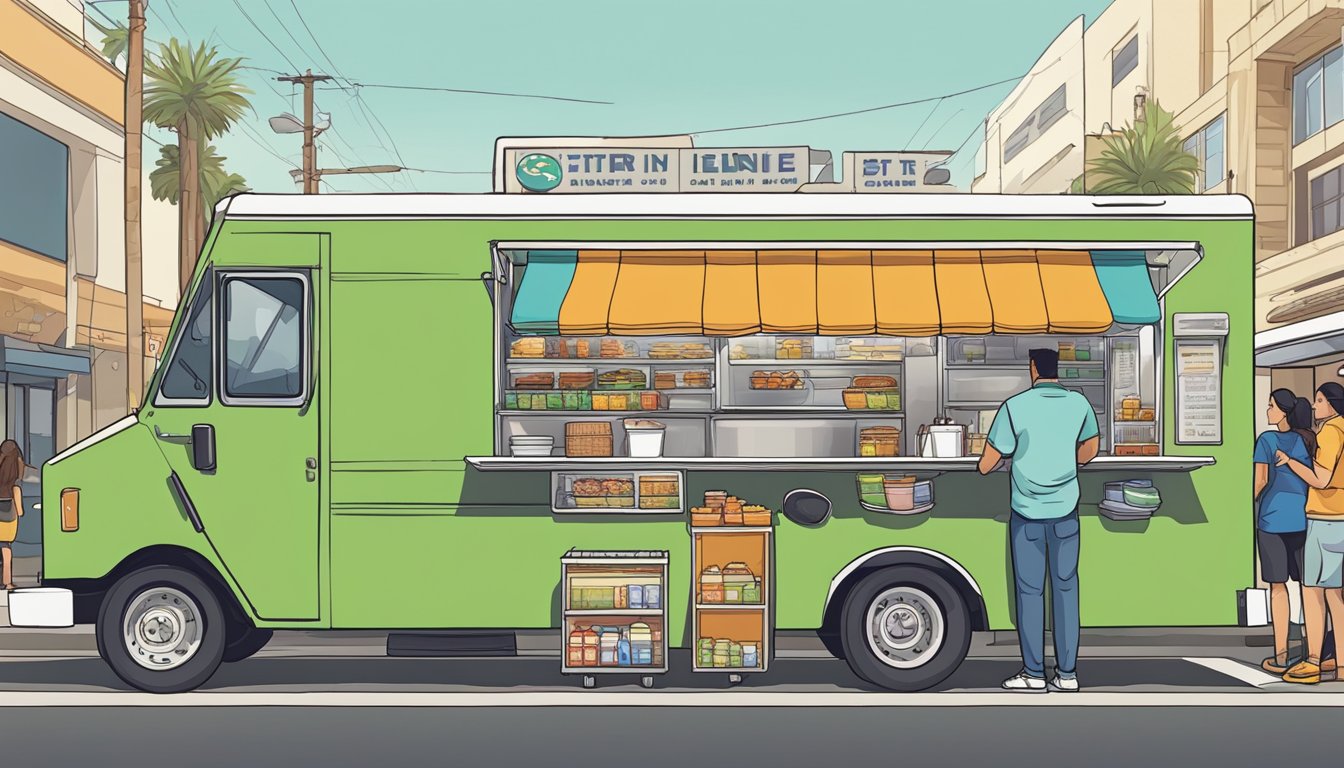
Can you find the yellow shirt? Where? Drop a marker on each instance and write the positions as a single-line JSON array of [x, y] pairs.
[[1328, 503]]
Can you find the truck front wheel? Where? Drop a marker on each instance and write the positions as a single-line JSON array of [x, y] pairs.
[[162, 630], [905, 628]]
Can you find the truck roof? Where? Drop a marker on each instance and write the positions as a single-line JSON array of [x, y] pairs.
[[732, 205]]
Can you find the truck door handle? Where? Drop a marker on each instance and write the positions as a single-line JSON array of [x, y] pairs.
[[310, 469], [171, 437]]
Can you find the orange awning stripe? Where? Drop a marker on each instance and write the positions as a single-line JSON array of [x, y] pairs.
[[905, 293], [658, 293], [787, 285], [731, 306], [584, 311], [1014, 283], [1073, 296], [845, 293], [839, 292], [963, 297]]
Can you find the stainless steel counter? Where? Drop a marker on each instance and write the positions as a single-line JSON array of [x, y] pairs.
[[901, 463]]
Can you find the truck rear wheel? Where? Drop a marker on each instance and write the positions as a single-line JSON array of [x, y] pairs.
[[162, 630], [905, 628], [248, 641]]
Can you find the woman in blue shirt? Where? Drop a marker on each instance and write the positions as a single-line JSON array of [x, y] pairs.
[[1281, 521]]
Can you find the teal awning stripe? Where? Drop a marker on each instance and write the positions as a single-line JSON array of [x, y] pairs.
[[1124, 280], [536, 307]]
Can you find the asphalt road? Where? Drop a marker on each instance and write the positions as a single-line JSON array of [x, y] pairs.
[[649, 737]]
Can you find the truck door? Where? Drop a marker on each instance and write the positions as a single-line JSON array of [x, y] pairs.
[[237, 419]]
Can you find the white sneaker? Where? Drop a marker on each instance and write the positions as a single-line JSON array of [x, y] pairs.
[[1064, 684], [1024, 682]]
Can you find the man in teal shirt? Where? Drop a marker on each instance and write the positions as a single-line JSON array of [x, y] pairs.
[[1047, 432]]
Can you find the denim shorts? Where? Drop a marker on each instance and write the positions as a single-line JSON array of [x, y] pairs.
[[1323, 560]]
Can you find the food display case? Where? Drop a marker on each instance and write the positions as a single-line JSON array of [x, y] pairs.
[[656, 492], [615, 614]]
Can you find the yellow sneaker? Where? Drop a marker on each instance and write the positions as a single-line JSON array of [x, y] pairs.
[[1303, 672], [1273, 666]]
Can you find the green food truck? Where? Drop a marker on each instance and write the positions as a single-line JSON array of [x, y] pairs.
[[659, 421]]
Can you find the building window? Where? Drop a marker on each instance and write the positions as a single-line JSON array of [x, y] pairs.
[[1327, 203], [34, 189], [1208, 145], [1318, 94], [1126, 59], [1041, 118]]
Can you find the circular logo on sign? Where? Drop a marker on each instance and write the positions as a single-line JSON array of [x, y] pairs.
[[538, 172]]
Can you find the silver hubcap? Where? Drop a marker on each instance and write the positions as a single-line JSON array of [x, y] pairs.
[[905, 627], [162, 629]]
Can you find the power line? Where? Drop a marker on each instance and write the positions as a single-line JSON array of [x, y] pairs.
[[480, 93], [857, 111], [935, 134], [262, 32], [925, 122], [979, 127], [167, 4], [297, 44], [318, 43], [450, 173]]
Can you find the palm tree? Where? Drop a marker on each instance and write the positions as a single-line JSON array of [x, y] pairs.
[[1145, 159], [116, 40], [197, 94], [216, 182]]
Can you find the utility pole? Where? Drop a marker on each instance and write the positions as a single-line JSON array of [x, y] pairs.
[[135, 307], [309, 149]]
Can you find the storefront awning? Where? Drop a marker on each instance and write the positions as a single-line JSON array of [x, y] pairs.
[[832, 292], [40, 359]]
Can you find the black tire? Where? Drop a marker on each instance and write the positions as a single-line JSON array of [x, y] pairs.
[[248, 641], [937, 664], [188, 675]]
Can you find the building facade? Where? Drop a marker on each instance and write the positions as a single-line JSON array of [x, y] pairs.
[[62, 229], [1260, 101]]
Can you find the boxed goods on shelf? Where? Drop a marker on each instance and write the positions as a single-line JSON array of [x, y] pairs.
[[588, 438], [878, 393], [794, 349], [880, 441], [532, 346]]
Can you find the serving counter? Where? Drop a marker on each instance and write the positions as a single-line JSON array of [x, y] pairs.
[[900, 463]]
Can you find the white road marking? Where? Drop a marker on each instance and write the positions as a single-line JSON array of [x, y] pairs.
[[1237, 670], [662, 699]]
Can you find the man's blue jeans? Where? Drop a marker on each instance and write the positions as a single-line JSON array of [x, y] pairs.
[[1040, 547]]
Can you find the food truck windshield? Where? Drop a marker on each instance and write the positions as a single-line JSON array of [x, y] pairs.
[[817, 351]]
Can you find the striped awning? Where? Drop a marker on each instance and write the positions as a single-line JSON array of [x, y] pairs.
[[841, 292]]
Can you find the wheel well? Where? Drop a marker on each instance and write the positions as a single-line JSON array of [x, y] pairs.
[[975, 603], [89, 593]]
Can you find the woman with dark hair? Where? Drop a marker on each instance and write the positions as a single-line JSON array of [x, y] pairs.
[[1281, 520], [11, 505], [1323, 560]]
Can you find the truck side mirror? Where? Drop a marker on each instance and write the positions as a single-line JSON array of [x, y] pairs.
[[203, 447]]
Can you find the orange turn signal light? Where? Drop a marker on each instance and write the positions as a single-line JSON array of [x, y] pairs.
[[70, 509]]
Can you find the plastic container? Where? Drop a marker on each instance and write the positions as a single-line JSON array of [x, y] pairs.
[[705, 652], [711, 586], [653, 596], [641, 644], [750, 658], [644, 439], [590, 650], [636, 596], [900, 493], [574, 653], [608, 642]]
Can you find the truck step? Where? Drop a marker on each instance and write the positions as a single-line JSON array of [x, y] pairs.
[[452, 644]]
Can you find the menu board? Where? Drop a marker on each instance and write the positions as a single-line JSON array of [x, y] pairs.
[[1199, 392]]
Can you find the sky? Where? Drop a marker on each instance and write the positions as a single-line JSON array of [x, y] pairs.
[[701, 67]]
